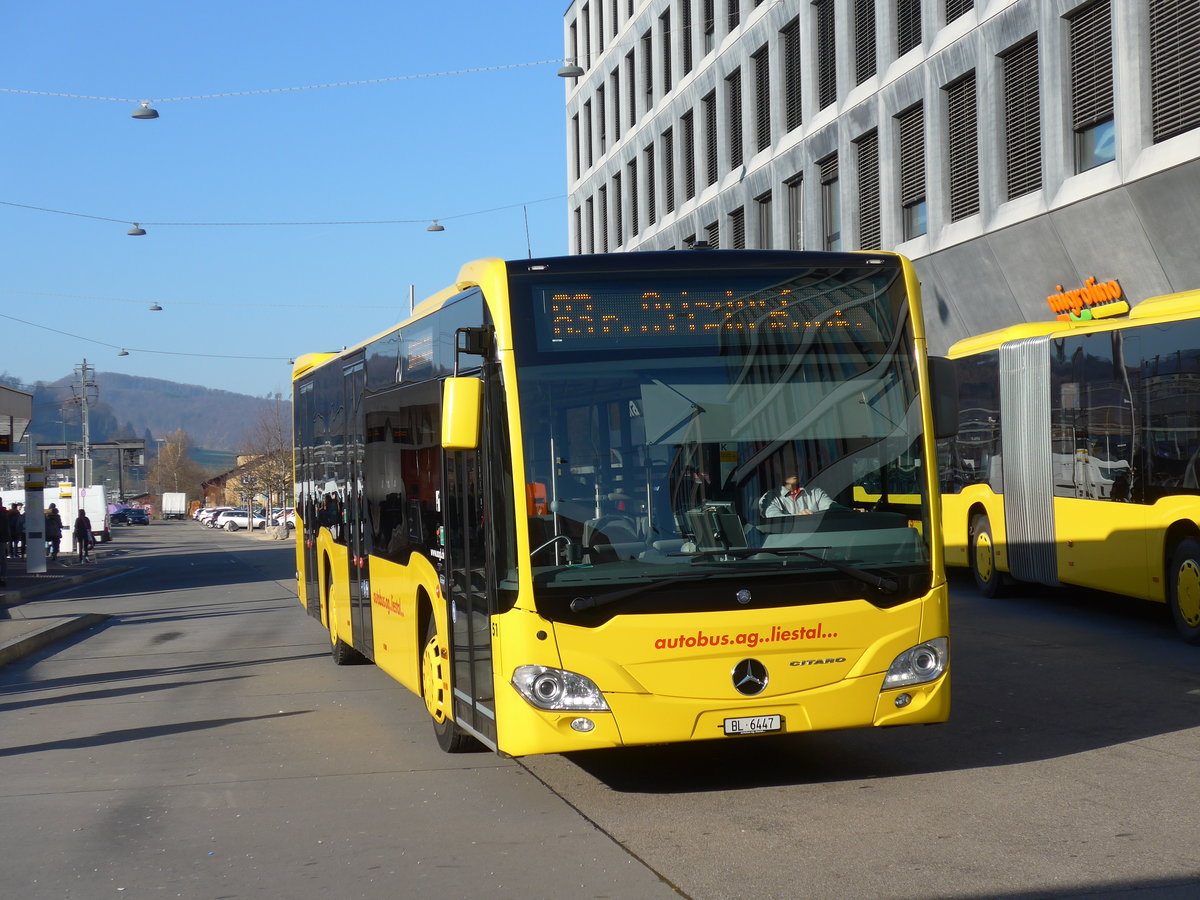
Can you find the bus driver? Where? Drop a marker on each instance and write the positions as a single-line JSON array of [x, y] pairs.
[[793, 500]]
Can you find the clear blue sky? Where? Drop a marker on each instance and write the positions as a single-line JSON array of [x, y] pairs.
[[442, 147]]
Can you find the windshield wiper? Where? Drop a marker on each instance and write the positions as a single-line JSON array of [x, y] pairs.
[[884, 584], [579, 604]]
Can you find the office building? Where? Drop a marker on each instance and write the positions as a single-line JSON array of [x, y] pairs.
[[1013, 149]]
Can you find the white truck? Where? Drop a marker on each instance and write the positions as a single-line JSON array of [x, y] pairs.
[[67, 498], [174, 506]]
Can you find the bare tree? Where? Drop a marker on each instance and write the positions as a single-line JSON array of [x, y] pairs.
[[270, 445], [174, 470]]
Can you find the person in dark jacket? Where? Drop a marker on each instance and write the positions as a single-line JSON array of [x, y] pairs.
[[4, 538], [54, 530], [82, 535]]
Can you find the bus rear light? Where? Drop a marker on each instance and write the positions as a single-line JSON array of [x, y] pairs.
[[918, 665], [555, 689]]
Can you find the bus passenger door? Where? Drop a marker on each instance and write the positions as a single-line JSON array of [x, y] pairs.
[[355, 509], [469, 594], [306, 474]]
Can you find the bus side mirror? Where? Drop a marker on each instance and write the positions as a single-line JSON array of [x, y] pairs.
[[943, 391], [461, 403]]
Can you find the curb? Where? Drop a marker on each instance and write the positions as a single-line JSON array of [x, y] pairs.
[[55, 630], [16, 598]]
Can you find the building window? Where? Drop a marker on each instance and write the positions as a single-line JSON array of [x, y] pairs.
[[601, 127], [826, 55], [708, 104], [869, 204], [1174, 67], [710, 23], [687, 125], [600, 27], [735, 14], [956, 8], [737, 228], [831, 203], [733, 94], [648, 70], [1022, 119], [588, 219], [618, 209], [1092, 86], [664, 35], [911, 129], [614, 20], [791, 74], [685, 27], [962, 140], [668, 153], [602, 203], [762, 208], [795, 212], [587, 134], [634, 220], [578, 231], [575, 154], [864, 40], [614, 81], [712, 232], [587, 37], [631, 88], [651, 190], [762, 99], [908, 25]]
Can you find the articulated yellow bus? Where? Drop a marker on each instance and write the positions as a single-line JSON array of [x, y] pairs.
[[540, 503], [1076, 459]]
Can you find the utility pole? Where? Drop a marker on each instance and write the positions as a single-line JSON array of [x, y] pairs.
[[84, 391]]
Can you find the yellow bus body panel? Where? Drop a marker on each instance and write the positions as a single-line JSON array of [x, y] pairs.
[[395, 616], [669, 678]]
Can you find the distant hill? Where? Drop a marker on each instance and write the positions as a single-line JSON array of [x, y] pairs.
[[128, 406]]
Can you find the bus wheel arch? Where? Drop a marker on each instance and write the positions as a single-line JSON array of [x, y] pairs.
[[342, 653], [435, 687], [981, 555], [1183, 587]]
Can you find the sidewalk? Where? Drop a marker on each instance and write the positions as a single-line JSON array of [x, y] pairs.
[[22, 629]]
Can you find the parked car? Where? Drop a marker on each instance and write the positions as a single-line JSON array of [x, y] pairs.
[[137, 516], [233, 519], [284, 517], [120, 517], [207, 515]]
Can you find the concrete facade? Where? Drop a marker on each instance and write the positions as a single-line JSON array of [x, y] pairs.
[[1133, 219]]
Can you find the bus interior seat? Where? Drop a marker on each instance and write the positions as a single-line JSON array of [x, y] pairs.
[[612, 537]]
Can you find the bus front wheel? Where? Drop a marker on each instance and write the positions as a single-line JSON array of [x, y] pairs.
[[983, 558], [435, 688], [1184, 589]]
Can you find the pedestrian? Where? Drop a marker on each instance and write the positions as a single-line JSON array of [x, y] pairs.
[[54, 530], [16, 525], [4, 536], [82, 535]]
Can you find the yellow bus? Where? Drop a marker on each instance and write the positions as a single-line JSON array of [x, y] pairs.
[[1077, 451], [540, 502]]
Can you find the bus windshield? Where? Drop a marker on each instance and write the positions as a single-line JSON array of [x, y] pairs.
[[760, 432]]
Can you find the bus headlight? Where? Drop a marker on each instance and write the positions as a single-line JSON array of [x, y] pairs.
[[919, 664], [554, 689]]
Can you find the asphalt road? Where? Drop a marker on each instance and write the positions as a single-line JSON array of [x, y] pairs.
[[201, 744]]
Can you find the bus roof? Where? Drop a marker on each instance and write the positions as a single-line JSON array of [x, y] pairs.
[[1168, 307]]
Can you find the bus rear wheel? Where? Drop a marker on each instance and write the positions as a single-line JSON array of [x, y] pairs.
[[983, 558], [435, 689], [1183, 589]]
